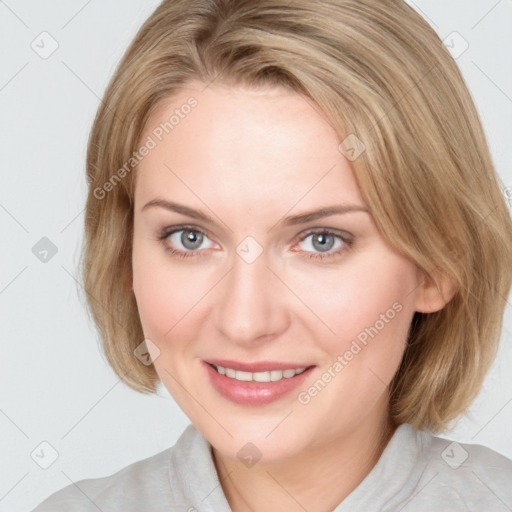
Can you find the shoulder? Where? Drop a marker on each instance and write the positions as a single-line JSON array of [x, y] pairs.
[[469, 476], [143, 481], [446, 453], [134, 487], [182, 478]]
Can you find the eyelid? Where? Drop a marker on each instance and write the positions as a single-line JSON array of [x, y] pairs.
[[169, 230], [344, 235]]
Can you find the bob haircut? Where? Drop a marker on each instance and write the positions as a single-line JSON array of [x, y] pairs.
[[377, 71]]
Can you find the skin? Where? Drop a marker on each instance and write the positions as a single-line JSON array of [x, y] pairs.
[[249, 158]]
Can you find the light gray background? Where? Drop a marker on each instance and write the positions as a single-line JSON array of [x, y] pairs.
[[56, 385]]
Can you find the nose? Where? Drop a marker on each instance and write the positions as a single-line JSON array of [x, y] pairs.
[[251, 303]]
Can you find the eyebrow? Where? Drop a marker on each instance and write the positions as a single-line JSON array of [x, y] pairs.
[[291, 220]]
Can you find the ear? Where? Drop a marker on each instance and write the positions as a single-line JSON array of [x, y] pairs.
[[435, 292]]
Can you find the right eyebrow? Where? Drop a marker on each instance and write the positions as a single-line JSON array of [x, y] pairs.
[[178, 208]]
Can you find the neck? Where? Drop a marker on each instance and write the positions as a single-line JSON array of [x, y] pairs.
[[340, 465]]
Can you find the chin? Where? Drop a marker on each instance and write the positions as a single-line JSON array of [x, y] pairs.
[[257, 439]]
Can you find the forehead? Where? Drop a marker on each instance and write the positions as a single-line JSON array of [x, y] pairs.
[[252, 147]]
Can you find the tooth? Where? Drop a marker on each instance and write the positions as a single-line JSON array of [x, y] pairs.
[[266, 376], [261, 376], [240, 375], [276, 375]]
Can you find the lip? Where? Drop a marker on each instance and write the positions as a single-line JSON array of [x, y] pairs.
[[260, 366], [254, 393]]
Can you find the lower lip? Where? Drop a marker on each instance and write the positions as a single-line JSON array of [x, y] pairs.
[[254, 393]]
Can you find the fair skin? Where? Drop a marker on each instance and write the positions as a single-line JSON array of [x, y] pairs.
[[249, 158]]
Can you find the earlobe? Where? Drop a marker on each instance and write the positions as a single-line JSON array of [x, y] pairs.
[[435, 292]]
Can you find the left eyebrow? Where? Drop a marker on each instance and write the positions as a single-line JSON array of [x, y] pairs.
[[312, 215]]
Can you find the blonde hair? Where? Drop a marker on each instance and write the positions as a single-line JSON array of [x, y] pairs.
[[378, 71]]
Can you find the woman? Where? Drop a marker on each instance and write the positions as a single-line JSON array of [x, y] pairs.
[[294, 224]]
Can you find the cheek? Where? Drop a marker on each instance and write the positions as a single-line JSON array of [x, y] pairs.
[[169, 293], [158, 291], [368, 302]]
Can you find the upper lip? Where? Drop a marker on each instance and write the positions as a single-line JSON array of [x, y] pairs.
[[258, 366]]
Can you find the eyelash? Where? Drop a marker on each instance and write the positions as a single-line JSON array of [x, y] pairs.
[[347, 241]]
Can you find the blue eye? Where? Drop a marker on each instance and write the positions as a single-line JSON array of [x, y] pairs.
[[190, 239], [320, 244], [324, 241]]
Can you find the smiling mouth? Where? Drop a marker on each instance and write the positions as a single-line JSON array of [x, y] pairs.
[[262, 376], [267, 382]]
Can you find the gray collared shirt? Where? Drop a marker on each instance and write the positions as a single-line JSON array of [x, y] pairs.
[[417, 472]]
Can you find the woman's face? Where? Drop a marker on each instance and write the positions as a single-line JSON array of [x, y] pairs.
[[257, 278]]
